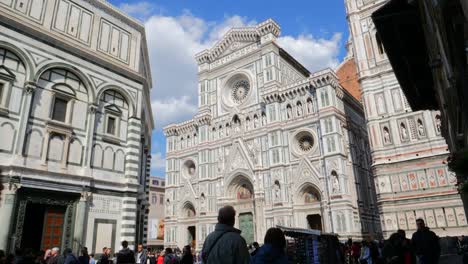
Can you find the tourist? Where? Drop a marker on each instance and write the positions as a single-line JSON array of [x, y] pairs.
[[169, 257], [125, 255], [256, 246], [110, 256], [53, 256], [393, 251], [69, 257], [160, 259], [84, 258], [273, 249], [91, 259], [355, 252], [365, 257], [47, 255], [187, 257], [425, 244], [104, 259], [408, 255], [462, 247], [225, 244], [140, 256]]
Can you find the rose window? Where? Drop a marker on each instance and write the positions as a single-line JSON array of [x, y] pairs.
[[304, 142], [240, 90]]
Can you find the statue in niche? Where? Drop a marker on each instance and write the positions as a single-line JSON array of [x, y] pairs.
[[277, 191], [202, 202], [309, 106], [403, 131], [288, 111], [189, 142], [386, 135], [228, 130], [263, 119], [255, 121], [438, 123], [421, 132], [335, 183], [299, 109], [237, 126], [220, 131], [220, 160], [247, 123]]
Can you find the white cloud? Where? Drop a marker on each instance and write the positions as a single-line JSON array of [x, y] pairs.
[[158, 162], [174, 41], [140, 10], [313, 53]]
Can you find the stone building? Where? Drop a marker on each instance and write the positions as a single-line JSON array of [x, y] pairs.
[[155, 239], [408, 152], [75, 124], [282, 145]]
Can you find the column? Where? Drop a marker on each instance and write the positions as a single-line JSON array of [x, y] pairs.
[[23, 122], [90, 134], [6, 211], [80, 222]]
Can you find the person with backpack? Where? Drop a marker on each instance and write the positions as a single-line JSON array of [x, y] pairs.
[[170, 257], [225, 244], [125, 255], [273, 249]]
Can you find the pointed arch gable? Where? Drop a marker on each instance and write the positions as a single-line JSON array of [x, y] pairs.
[[82, 76], [131, 102], [24, 57]]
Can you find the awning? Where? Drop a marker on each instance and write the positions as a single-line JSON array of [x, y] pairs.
[[399, 27]]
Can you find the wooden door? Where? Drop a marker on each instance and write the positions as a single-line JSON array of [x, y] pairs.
[[53, 228]]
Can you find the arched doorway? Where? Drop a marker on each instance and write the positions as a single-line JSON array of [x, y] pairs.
[[242, 193], [310, 198], [189, 213]]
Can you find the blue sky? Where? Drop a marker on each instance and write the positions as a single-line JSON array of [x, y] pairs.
[[313, 31]]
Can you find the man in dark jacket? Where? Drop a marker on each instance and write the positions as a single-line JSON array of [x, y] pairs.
[[225, 245], [425, 244], [140, 256], [125, 255]]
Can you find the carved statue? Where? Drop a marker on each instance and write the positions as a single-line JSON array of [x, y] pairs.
[[247, 124], [309, 106], [289, 112], [420, 128], [277, 190], [438, 123], [335, 184], [299, 110], [255, 121], [263, 120], [403, 131], [228, 130], [386, 135], [203, 202]]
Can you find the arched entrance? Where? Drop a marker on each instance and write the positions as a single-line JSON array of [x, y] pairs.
[[309, 198], [189, 213], [241, 192]]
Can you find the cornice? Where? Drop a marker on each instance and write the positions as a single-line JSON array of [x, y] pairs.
[[244, 34]]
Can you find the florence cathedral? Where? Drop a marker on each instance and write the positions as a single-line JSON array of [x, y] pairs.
[[283, 145]]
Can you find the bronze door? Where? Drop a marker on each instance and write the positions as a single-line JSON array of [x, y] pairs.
[[53, 228]]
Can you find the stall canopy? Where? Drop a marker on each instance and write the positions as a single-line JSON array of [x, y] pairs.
[[399, 28]]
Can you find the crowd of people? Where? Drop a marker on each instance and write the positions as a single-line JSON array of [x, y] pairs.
[[226, 245]]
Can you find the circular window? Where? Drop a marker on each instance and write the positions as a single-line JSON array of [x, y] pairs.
[[240, 90], [304, 142], [236, 89]]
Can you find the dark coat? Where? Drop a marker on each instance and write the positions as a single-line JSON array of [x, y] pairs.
[[267, 254], [143, 257], [426, 246], [126, 256], [231, 248]]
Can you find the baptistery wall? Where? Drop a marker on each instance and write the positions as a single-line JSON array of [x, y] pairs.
[[282, 145], [75, 125]]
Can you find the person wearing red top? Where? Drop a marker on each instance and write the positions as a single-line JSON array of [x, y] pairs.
[[160, 258]]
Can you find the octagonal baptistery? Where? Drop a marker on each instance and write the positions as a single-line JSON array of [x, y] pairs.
[[284, 146], [75, 125]]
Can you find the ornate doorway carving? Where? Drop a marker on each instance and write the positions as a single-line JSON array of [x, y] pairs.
[[44, 218]]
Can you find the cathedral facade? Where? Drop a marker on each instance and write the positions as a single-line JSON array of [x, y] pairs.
[[282, 145], [75, 125], [408, 152]]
